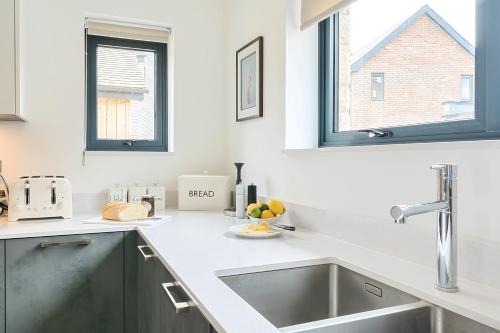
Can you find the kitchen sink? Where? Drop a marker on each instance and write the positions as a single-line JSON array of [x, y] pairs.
[[329, 298], [416, 318], [304, 294]]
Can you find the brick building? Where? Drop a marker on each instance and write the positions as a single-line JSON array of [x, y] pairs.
[[421, 71]]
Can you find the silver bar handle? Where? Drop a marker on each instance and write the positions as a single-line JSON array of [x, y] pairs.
[[180, 307], [82, 242], [144, 255]]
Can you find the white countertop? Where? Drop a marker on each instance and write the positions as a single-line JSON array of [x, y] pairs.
[[196, 247], [55, 227]]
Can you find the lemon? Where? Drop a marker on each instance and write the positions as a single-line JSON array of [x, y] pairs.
[[276, 206], [251, 207], [255, 213], [267, 214]]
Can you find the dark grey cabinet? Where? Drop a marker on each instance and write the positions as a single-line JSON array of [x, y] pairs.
[[131, 275], [65, 284], [89, 283], [157, 312], [149, 289]]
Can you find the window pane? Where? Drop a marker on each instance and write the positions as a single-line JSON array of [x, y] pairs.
[[466, 88], [405, 63], [378, 87], [126, 94]]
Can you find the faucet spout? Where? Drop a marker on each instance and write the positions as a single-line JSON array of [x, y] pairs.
[[447, 225], [401, 213]]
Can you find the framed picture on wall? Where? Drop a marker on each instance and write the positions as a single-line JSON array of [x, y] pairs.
[[249, 79]]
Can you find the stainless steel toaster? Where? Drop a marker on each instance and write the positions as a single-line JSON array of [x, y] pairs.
[[35, 197]]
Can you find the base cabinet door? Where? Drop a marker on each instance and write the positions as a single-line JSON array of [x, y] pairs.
[[188, 322], [157, 312], [65, 284], [149, 289]]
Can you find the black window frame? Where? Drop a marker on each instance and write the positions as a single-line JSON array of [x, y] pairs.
[[486, 124], [160, 143]]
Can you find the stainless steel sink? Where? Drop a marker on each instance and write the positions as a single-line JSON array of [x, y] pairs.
[[329, 298], [416, 318], [444, 321], [305, 294]]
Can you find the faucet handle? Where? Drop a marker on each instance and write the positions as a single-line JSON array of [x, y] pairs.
[[446, 170]]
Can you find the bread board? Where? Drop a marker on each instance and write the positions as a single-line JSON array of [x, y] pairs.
[[150, 221]]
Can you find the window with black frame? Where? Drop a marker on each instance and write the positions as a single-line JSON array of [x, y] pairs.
[[126, 87], [414, 73]]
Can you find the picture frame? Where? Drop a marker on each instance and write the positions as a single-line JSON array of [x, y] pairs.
[[249, 80]]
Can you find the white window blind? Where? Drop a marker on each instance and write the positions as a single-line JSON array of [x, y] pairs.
[[313, 11], [127, 30]]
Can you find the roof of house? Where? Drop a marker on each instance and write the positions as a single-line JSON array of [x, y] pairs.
[[370, 50], [119, 70]]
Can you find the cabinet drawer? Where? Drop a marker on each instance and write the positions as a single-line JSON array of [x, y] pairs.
[[65, 284]]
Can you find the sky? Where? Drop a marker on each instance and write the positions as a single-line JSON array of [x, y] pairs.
[[370, 19]]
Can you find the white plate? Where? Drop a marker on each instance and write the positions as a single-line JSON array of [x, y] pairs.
[[237, 230]]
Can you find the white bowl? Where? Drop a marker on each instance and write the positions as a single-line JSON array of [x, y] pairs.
[[273, 220]]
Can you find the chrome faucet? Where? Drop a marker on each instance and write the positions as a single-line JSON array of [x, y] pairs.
[[446, 207]]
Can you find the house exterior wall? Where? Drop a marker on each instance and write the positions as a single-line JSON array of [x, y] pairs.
[[422, 69]]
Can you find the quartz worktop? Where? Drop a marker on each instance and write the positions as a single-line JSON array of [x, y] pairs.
[[197, 248]]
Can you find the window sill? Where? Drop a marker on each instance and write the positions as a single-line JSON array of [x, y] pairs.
[[126, 153], [415, 146]]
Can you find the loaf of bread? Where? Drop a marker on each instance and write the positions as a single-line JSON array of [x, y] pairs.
[[123, 211]]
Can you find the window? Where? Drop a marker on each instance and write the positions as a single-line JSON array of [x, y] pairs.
[[126, 93], [425, 46], [377, 87], [466, 87]]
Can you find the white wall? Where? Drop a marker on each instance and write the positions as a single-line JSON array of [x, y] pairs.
[[362, 181], [52, 42]]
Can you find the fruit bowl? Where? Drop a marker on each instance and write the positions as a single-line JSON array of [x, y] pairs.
[[271, 212], [272, 220]]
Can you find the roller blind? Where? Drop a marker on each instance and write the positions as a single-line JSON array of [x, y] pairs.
[[126, 30], [313, 11]]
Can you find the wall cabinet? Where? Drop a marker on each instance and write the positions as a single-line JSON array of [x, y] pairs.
[[9, 64], [65, 284], [157, 312]]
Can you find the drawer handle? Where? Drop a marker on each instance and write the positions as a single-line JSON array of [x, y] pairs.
[[46, 245], [146, 256], [180, 307]]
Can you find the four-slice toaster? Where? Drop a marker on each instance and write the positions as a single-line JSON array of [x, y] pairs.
[[34, 197]]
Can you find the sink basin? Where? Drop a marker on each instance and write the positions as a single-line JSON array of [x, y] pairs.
[[444, 321], [329, 298], [416, 318], [304, 294]]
